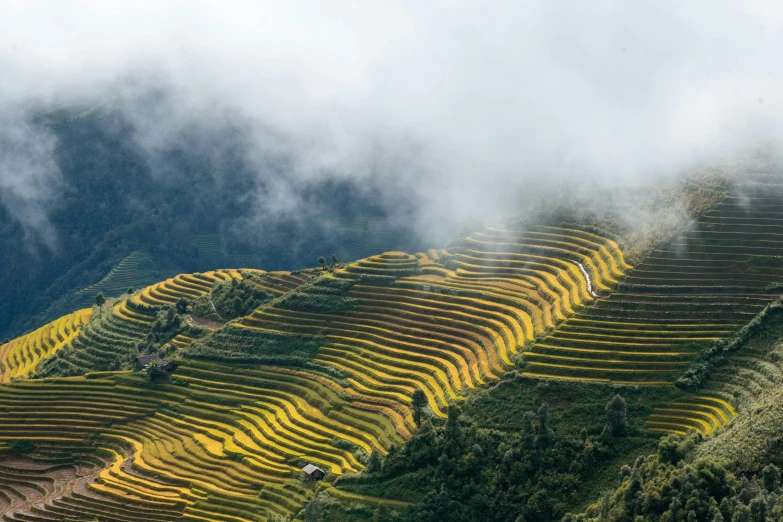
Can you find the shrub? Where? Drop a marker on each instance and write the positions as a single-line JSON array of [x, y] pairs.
[[155, 371], [230, 300], [673, 448], [21, 447], [419, 402]]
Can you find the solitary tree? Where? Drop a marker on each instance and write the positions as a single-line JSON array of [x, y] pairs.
[[182, 305], [617, 416], [374, 463], [322, 262], [545, 433], [175, 323], [419, 402], [452, 421], [335, 261], [528, 431], [130, 290], [100, 300], [237, 306]]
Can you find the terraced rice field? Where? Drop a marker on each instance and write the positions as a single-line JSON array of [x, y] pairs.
[[182, 341], [390, 264], [230, 442], [53, 472], [741, 380], [207, 244], [109, 341], [221, 448], [366, 236], [20, 357], [702, 287], [454, 320], [279, 283], [188, 286], [702, 413], [746, 376], [226, 443], [130, 272]]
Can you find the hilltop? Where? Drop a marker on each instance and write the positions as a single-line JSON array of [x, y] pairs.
[[508, 376]]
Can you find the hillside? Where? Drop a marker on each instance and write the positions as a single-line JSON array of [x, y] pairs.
[[733, 475], [124, 214], [462, 383]]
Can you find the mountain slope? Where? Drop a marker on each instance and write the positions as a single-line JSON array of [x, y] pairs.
[[327, 366], [190, 203], [374, 346]]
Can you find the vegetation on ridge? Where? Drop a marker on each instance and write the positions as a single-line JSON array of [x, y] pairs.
[[659, 488], [230, 300]]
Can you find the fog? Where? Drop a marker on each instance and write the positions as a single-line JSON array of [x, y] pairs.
[[469, 109]]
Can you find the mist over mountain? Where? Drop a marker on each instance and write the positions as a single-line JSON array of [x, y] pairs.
[[92, 194], [367, 261], [265, 118], [461, 108]]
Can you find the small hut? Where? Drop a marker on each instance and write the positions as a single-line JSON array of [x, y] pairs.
[[313, 472], [144, 360]]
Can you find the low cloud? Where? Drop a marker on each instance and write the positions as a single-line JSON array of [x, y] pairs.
[[466, 110], [29, 177]]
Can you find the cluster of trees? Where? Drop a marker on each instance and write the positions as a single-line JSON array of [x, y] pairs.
[[664, 487], [467, 472], [322, 261], [229, 300], [167, 325]]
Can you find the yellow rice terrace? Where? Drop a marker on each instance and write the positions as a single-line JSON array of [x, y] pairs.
[[378, 389]]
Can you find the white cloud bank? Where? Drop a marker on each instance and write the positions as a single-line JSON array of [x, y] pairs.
[[466, 105]]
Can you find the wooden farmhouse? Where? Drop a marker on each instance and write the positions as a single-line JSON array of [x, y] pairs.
[[144, 360], [313, 472]]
